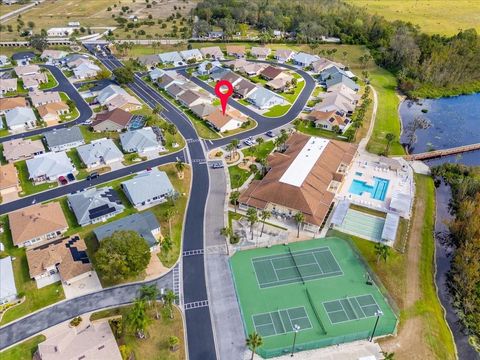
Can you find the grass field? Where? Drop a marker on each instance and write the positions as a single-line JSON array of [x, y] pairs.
[[433, 16], [24, 350], [326, 288]]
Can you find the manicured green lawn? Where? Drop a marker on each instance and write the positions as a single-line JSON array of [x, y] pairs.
[[24, 350], [277, 110], [260, 151], [73, 114], [203, 130], [243, 102], [89, 136], [258, 80], [68, 73], [293, 97], [34, 298], [237, 176], [51, 83], [133, 158], [28, 187], [20, 88], [82, 172], [308, 127]]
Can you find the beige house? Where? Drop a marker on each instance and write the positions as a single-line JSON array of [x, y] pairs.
[[236, 50], [33, 81], [41, 98], [7, 104], [8, 85], [87, 341], [50, 113], [260, 52], [37, 223], [26, 70], [22, 149], [65, 257], [8, 180], [232, 120]]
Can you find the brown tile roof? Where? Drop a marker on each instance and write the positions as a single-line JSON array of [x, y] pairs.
[[52, 108], [333, 117], [35, 221], [189, 96], [219, 120], [12, 102], [20, 148], [59, 253], [312, 196], [118, 116], [8, 176], [271, 72], [236, 49]]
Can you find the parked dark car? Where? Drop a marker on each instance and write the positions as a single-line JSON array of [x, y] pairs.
[[62, 180], [217, 165], [70, 177], [93, 175]]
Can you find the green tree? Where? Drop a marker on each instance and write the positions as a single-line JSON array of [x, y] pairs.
[[169, 214], [299, 219], [234, 144], [169, 299], [382, 251], [180, 166], [252, 217], [38, 42], [157, 109], [264, 215], [103, 74], [123, 75], [389, 137], [253, 342], [167, 244], [137, 318], [173, 342], [234, 196], [150, 294], [122, 255]]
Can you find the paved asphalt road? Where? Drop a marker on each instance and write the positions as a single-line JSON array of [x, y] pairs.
[[65, 86], [67, 309]]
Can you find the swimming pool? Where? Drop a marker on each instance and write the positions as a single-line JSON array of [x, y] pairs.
[[378, 191]]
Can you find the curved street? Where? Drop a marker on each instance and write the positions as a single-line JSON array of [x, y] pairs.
[[197, 316]]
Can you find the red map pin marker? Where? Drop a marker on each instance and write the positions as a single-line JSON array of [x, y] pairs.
[[224, 95]]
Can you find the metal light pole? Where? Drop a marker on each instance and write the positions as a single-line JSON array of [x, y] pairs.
[[378, 313], [296, 328]]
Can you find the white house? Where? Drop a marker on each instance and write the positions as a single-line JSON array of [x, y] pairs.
[[20, 118], [99, 152], [142, 141], [265, 99], [172, 57], [60, 31], [193, 54], [49, 166]]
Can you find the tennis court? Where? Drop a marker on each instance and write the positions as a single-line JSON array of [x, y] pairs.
[[318, 285], [349, 309], [298, 266], [281, 321]]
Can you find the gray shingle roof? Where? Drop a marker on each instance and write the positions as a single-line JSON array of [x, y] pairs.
[[142, 223], [63, 136], [139, 140], [145, 186], [103, 150]]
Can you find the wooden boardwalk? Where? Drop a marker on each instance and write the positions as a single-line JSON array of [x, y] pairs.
[[444, 152]]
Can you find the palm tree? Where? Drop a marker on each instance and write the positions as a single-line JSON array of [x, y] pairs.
[[169, 299], [167, 244], [235, 143], [254, 341], [390, 137], [382, 251], [299, 218], [263, 162], [157, 109], [264, 215], [230, 148], [137, 318], [150, 293], [226, 231], [180, 166], [234, 196], [252, 218], [169, 214]]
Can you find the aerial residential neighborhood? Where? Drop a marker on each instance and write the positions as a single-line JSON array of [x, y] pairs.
[[211, 179]]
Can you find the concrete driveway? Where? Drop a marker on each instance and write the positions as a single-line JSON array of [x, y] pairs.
[[83, 286]]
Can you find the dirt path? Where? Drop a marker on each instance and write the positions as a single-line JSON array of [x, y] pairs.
[[410, 341]]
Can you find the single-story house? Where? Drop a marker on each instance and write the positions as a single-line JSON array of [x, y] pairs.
[[50, 55], [264, 99], [33, 81], [144, 223], [172, 57], [50, 113], [327, 120], [115, 120], [99, 152], [37, 223], [21, 149], [26, 70], [236, 50], [207, 67], [280, 83], [337, 80], [7, 104], [322, 64], [149, 61], [8, 290], [60, 31], [91, 341], [284, 55], [218, 73], [21, 118], [9, 182], [86, 70], [148, 188], [142, 141], [304, 60], [191, 55], [175, 89], [94, 205], [113, 97], [232, 77], [202, 110], [49, 166], [260, 52], [74, 60], [212, 52], [237, 64], [336, 101], [191, 98], [244, 88], [232, 120], [8, 85], [41, 98], [64, 138], [156, 73], [252, 69], [271, 72], [63, 258]]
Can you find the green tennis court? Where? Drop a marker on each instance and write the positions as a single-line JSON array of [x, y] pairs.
[[318, 285], [298, 266], [364, 225]]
